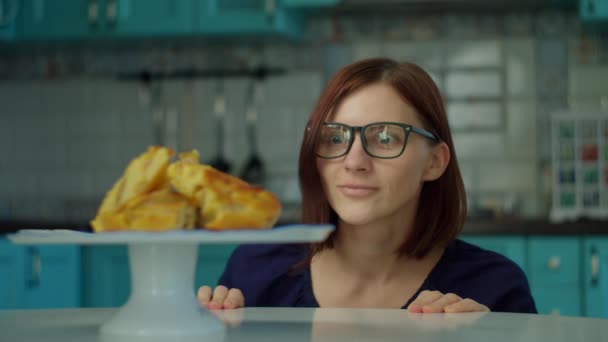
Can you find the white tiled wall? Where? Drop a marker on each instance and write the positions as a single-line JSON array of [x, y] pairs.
[[67, 140]]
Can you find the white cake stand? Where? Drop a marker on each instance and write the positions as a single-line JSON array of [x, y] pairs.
[[162, 302]]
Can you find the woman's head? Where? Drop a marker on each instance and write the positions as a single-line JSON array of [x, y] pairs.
[[348, 182]]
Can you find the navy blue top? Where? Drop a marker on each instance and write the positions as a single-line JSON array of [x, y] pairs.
[[265, 275]]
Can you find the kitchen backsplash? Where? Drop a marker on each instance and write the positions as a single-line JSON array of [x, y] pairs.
[[69, 125]]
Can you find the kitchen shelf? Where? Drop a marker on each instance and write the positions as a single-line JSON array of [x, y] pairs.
[[580, 166]]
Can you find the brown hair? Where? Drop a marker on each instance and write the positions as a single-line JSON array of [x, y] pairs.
[[442, 205]]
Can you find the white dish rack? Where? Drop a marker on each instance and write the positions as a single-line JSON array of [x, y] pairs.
[[580, 166]]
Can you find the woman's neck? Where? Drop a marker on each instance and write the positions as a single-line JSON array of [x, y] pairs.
[[371, 251]]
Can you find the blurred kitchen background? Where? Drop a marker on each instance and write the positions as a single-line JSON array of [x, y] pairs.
[[86, 85]]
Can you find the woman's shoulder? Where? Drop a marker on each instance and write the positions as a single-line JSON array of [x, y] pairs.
[[468, 261], [485, 276], [465, 253]]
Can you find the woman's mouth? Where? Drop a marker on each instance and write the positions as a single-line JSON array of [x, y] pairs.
[[354, 190]]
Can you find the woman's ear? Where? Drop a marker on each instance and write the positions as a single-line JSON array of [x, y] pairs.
[[440, 158]]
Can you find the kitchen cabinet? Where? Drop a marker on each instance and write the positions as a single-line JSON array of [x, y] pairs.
[[106, 278], [149, 18], [12, 273], [552, 264], [554, 272], [593, 10], [595, 276], [68, 19], [50, 20], [39, 276], [255, 17], [90, 19], [106, 281], [10, 12], [309, 4]]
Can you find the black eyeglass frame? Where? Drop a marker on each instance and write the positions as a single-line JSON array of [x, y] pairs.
[[360, 129]]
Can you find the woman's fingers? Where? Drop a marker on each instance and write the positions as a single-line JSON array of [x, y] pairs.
[[220, 298], [204, 296], [219, 295], [234, 299], [425, 297], [466, 305], [441, 302], [435, 301]]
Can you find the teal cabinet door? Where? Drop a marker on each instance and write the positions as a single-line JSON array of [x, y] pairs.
[[593, 10], [52, 277], [309, 4], [595, 276], [35, 277], [555, 274], [106, 280], [246, 18], [157, 18], [210, 264], [94, 19], [65, 20], [10, 13], [12, 273], [512, 247]]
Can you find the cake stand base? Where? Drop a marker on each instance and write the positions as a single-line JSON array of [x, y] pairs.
[[162, 301]]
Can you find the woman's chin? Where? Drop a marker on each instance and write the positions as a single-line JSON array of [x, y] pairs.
[[356, 218]]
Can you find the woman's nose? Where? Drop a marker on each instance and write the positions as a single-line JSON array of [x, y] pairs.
[[357, 158]]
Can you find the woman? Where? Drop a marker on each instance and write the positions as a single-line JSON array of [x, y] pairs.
[[377, 160]]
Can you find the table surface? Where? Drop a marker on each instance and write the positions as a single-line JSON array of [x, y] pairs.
[[308, 324]]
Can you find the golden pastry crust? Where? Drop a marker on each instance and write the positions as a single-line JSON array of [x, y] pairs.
[[225, 201], [159, 210], [154, 195], [143, 174]]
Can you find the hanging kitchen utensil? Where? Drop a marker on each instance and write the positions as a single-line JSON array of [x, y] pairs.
[[254, 170], [219, 112]]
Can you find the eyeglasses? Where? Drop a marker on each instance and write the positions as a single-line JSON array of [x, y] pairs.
[[384, 140]]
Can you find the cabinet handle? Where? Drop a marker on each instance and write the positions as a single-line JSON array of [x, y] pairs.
[[554, 262], [112, 11], [594, 266], [93, 12], [33, 279]]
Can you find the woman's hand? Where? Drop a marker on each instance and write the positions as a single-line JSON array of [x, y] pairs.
[[220, 298], [435, 302]]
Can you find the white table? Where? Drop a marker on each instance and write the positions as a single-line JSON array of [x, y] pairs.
[[303, 324]]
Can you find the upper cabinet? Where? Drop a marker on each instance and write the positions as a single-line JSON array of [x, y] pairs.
[[593, 10], [67, 19], [143, 18], [51, 20], [10, 11], [253, 17], [308, 4], [86, 19]]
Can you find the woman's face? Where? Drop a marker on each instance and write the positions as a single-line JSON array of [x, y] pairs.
[[363, 189]]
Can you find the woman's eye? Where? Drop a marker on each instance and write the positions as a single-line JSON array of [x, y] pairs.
[[336, 139], [384, 138]]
